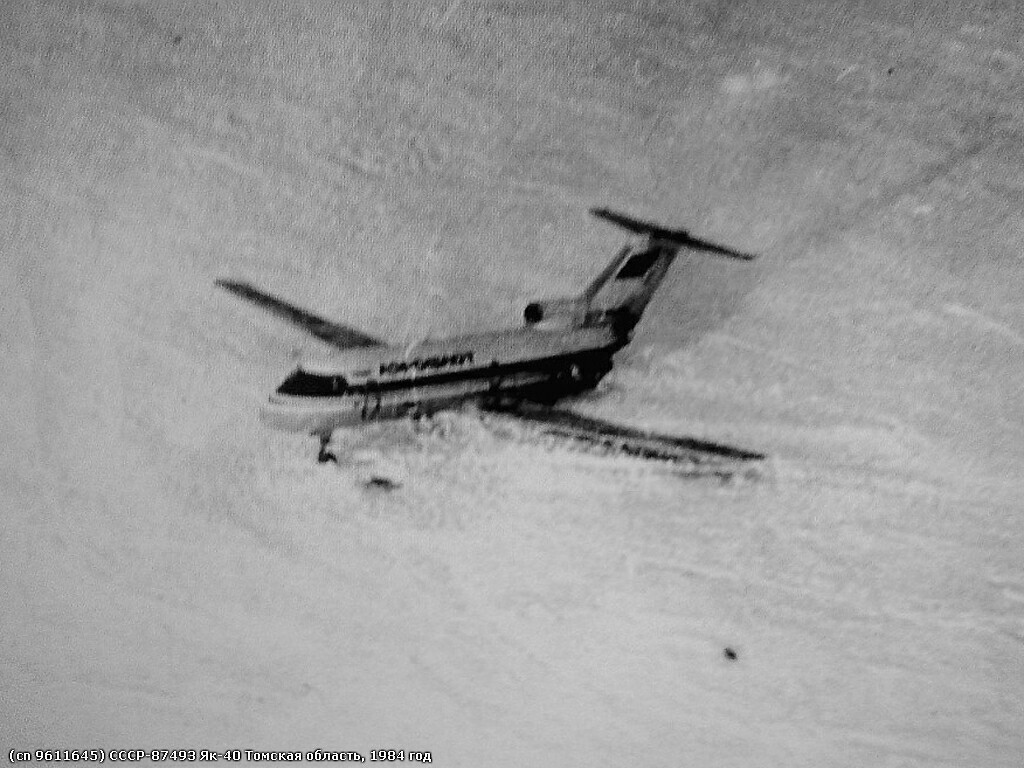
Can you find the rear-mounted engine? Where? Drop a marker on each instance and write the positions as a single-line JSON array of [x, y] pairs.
[[559, 313]]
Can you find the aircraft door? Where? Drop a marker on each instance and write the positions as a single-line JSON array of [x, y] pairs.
[[414, 393], [371, 401], [494, 381]]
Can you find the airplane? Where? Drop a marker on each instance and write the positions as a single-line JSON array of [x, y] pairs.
[[564, 347]]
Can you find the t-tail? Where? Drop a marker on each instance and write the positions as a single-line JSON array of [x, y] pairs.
[[622, 291]]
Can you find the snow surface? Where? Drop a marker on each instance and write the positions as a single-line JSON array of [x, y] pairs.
[[174, 575]]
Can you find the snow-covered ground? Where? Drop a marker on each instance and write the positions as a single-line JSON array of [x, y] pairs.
[[174, 575]]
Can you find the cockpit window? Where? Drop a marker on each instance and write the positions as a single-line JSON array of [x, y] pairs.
[[638, 264], [304, 384]]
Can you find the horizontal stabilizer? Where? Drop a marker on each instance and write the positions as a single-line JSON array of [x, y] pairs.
[[676, 236], [338, 335]]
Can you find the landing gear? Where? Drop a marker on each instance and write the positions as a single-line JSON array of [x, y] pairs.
[[325, 456], [589, 377], [579, 378]]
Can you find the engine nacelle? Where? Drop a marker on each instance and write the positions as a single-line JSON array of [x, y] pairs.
[[557, 313]]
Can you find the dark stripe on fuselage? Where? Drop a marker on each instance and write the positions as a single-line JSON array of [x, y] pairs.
[[596, 358]]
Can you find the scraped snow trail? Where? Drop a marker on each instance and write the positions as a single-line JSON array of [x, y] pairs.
[[172, 574]]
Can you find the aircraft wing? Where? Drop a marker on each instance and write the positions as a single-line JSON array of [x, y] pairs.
[[338, 335], [699, 458]]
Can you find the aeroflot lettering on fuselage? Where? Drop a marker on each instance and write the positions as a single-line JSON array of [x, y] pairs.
[[427, 363]]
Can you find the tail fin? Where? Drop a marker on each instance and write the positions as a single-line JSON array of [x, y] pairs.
[[623, 289], [606, 274]]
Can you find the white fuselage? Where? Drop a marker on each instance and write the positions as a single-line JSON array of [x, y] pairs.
[[370, 383]]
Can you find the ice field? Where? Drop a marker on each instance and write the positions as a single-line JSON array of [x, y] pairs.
[[175, 575]]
